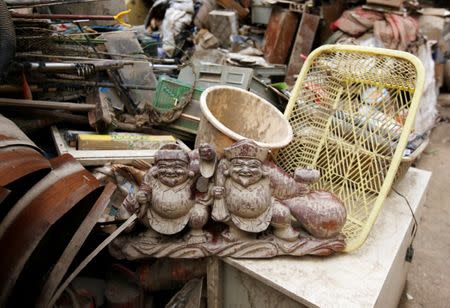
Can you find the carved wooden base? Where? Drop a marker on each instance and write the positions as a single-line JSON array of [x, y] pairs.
[[142, 246]]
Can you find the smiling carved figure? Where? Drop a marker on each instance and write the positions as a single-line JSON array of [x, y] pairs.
[[166, 198], [243, 198]]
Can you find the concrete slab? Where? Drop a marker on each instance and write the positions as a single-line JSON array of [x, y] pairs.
[[373, 276]]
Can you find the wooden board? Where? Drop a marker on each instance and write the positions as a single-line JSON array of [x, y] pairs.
[[279, 35], [122, 141], [101, 157], [303, 45]]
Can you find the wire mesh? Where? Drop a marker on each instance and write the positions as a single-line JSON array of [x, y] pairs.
[[351, 111]]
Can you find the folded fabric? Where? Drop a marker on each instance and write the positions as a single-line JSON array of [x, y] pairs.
[[394, 31], [357, 21]]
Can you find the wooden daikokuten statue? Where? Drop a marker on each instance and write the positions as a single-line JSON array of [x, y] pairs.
[[243, 197], [167, 200], [253, 200]]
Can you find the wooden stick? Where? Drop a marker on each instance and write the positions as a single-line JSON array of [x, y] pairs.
[[89, 258], [45, 104]]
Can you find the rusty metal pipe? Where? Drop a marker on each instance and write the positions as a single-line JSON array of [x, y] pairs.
[[61, 16], [45, 104]]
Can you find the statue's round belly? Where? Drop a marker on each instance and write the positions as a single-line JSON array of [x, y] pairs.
[[171, 209], [248, 208]]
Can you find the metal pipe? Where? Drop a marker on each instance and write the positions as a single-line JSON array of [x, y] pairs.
[[61, 16], [87, 83], [45, 104], [12, 4]]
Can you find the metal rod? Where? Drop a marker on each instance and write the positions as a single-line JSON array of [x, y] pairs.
[[87, 83], [139, 58], [45, 104], [12, 4], [61, 16]]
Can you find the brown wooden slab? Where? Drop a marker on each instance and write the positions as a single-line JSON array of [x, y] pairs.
[[302, 46]]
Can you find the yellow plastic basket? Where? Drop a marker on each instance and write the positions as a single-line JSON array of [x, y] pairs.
[[352, 110]]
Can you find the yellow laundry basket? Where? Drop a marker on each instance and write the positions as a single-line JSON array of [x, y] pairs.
[[352, 110]]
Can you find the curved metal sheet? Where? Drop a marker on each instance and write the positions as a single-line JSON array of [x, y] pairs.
[[11, 135], [60, 269], [33, 215], [18, 161]]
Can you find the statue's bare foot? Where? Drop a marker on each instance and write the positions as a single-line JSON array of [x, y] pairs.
[[286, 233], [195, 237], [233, 234], [150, 236]]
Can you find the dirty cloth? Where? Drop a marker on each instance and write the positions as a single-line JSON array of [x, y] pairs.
[[127, 178], [394, 31], [177, 17]]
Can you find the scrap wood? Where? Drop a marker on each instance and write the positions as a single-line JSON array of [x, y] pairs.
[[101, 157], [302, 45], [89, 258], [235, 6], [122, 141]]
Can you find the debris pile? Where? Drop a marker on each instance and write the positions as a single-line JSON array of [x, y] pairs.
[[105, 91]]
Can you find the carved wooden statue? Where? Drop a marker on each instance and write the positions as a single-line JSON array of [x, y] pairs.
[[251, 193], [253, 199], [167, 200], [243, 197]]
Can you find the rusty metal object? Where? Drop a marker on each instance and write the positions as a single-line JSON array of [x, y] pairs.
[[3, 193], [11, 135], [89, 258], [18, 161], [279, 35], [60, 268], [25, 103], [33, 216], [21, 164]]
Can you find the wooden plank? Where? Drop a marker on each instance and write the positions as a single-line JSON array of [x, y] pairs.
[[101, 157], [122, 141], [214, 283], [303, 44], [235, 6], [279, 35]]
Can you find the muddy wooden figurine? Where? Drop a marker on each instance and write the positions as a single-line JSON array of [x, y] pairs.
[[252, 200], [167, 200], [243, 198], [252, 193]]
